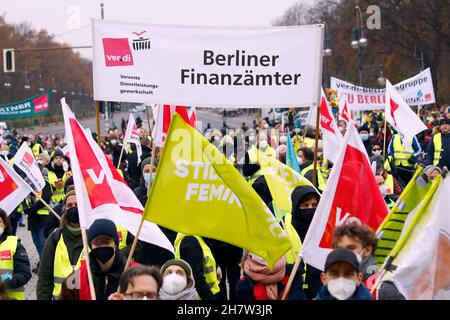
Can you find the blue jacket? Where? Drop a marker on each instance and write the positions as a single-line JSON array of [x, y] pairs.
[[361, 293]]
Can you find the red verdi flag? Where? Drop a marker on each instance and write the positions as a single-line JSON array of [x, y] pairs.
[[350, 196], [101, 191], [13, 190]]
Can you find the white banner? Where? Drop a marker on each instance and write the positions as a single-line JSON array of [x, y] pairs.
[[207, 66], [417, 90], [24, 159]]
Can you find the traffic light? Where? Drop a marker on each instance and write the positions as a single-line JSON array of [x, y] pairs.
[[8, 60]]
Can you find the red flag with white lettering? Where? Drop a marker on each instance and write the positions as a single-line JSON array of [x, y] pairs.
[[13, 190], [101, 191], [350, 196], [163, 115], [331, 136], [132, 136]]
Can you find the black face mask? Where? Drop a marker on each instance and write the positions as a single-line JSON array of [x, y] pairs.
[[302, 220], [72, 215], [103, 254]]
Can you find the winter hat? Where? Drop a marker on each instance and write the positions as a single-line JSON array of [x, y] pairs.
[[147, 161], [45, 155], [59, 153], [177, 262], [103, 226]]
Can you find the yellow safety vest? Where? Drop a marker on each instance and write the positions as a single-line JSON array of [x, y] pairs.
[[209, 264], [36, 149], [122, 234], [309, 142], [437, 142], [58, 194], [401, 156], [324, 169], [7, 250], [43, 211], [62, 267], [319, 175]]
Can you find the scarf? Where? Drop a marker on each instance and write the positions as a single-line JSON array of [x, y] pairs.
[[261, 273], [186, 294], [59, 171]]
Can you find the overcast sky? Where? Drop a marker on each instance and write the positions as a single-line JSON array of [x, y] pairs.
[[69, 20]]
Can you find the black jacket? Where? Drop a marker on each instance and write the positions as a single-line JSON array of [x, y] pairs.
[[445, 154], [134, 169], [37, 221], [191, 252], [52, 222], [74, 244], [22, 272]]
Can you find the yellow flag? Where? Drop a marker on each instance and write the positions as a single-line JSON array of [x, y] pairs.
[[281, 180], [197, 191]]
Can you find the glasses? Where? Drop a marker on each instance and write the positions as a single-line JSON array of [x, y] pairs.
[[141, 295]]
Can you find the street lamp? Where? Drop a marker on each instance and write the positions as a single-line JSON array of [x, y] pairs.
[[381, 79], [420, 58], [327, 51], [359, 41]]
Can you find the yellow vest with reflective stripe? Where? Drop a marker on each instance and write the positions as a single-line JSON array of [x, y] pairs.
[[401, 156], [123, 234], [62, 266], [309, 142], [58, 194], [437, 142], [319, 175], [43, 211], [209, 264], [7, 250]]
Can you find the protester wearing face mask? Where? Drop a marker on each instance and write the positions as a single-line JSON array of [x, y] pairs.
[[139, 282], [305, 200], [106, 262], [4, 152], [264, 147], [258, 282], [178, 281], [376, 150], [361, 240], [364, 134], [63, 249], [341, 278], [14, 263], [148, 253], [386, 191]]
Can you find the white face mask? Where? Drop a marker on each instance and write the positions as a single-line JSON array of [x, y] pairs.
[[2, 230], [300, 160], [174, 283], [65, 166], [376, 153], [4, 153], [263, 144], [341, 288]]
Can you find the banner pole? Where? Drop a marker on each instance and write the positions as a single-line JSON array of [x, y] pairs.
[[97, 115], [150, 124], [291, 277], [316, 146], [88, 264]]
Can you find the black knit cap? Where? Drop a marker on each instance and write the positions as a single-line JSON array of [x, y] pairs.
[[58, 153], [103, 226]]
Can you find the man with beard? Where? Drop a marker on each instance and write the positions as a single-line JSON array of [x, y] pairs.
[[304, 203]]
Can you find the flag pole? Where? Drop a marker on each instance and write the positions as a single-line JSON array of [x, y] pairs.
[[97, 116], [150, 125], [316, 146], [291, 277], [121, 153], [384, 138], [42, 200], [88, 264], [133, 246]]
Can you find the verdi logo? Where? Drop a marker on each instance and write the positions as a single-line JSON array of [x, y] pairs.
[[117, 52]]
